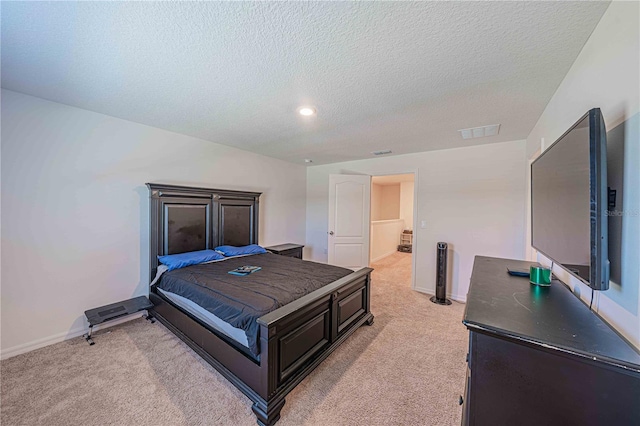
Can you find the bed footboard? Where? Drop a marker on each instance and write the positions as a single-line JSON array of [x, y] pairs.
[[297, 337], [294, 340]]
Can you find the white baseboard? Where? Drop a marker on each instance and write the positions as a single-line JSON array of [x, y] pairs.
[[61, 337], [458, 298], [377, 259]]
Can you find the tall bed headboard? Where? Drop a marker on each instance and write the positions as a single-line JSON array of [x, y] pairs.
[[186, 219]]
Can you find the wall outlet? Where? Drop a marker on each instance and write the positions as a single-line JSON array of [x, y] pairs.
[[423, 224], [325, 251]]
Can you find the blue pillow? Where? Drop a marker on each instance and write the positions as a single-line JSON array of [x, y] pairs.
[[176, 261], [230, 251]]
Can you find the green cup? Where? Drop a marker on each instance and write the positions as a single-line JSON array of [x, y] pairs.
[[539, 275]]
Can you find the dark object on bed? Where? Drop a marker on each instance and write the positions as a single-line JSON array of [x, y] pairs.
[[294, 339], [245, 270]]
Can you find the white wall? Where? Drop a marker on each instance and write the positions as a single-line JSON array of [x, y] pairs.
[[75, 209], [385, 237], [385, 201], [406, 204], [376, 198], [605, 75], [473, 198], [390, 205]]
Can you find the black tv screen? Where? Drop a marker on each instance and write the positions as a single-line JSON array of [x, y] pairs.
[[569, 201]]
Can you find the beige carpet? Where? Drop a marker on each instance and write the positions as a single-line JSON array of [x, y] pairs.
[[407, 369]]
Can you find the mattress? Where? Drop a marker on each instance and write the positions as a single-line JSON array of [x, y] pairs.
[[239, 301], [236, 334]]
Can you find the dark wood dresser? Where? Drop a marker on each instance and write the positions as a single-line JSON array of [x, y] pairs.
[[291, 250], [539, 356]]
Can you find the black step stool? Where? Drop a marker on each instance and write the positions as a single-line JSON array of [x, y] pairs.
[[116, 310]]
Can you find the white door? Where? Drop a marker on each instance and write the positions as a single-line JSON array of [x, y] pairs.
[[349, 214]]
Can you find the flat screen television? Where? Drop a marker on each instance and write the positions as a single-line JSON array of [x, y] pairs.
[[569, 201]]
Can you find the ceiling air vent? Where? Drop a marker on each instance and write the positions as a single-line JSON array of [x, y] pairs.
[[384, 152], [480, 132]]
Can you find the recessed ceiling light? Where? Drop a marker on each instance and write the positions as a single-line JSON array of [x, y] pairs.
[[306, 111], [480, 132], [306, 160]]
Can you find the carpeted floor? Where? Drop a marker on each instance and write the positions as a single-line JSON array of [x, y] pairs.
[[407, 369]]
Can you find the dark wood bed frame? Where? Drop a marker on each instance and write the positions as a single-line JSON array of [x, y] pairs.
[[294, 339]]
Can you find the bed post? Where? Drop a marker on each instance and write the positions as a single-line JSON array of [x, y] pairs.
[[267, 414], [267, 410]]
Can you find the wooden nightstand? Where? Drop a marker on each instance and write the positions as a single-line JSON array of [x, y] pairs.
[[291, 250]]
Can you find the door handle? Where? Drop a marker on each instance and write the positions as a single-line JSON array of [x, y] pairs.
[[330, 232]]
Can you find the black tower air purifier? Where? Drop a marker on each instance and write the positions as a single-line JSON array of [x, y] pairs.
[[441, 276]]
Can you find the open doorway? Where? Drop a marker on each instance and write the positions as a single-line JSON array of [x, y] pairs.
[[392, 224]]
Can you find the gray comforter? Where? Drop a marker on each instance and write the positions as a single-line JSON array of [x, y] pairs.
[[241, 300]]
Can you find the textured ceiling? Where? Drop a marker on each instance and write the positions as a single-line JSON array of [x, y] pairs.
[[400, 76]]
